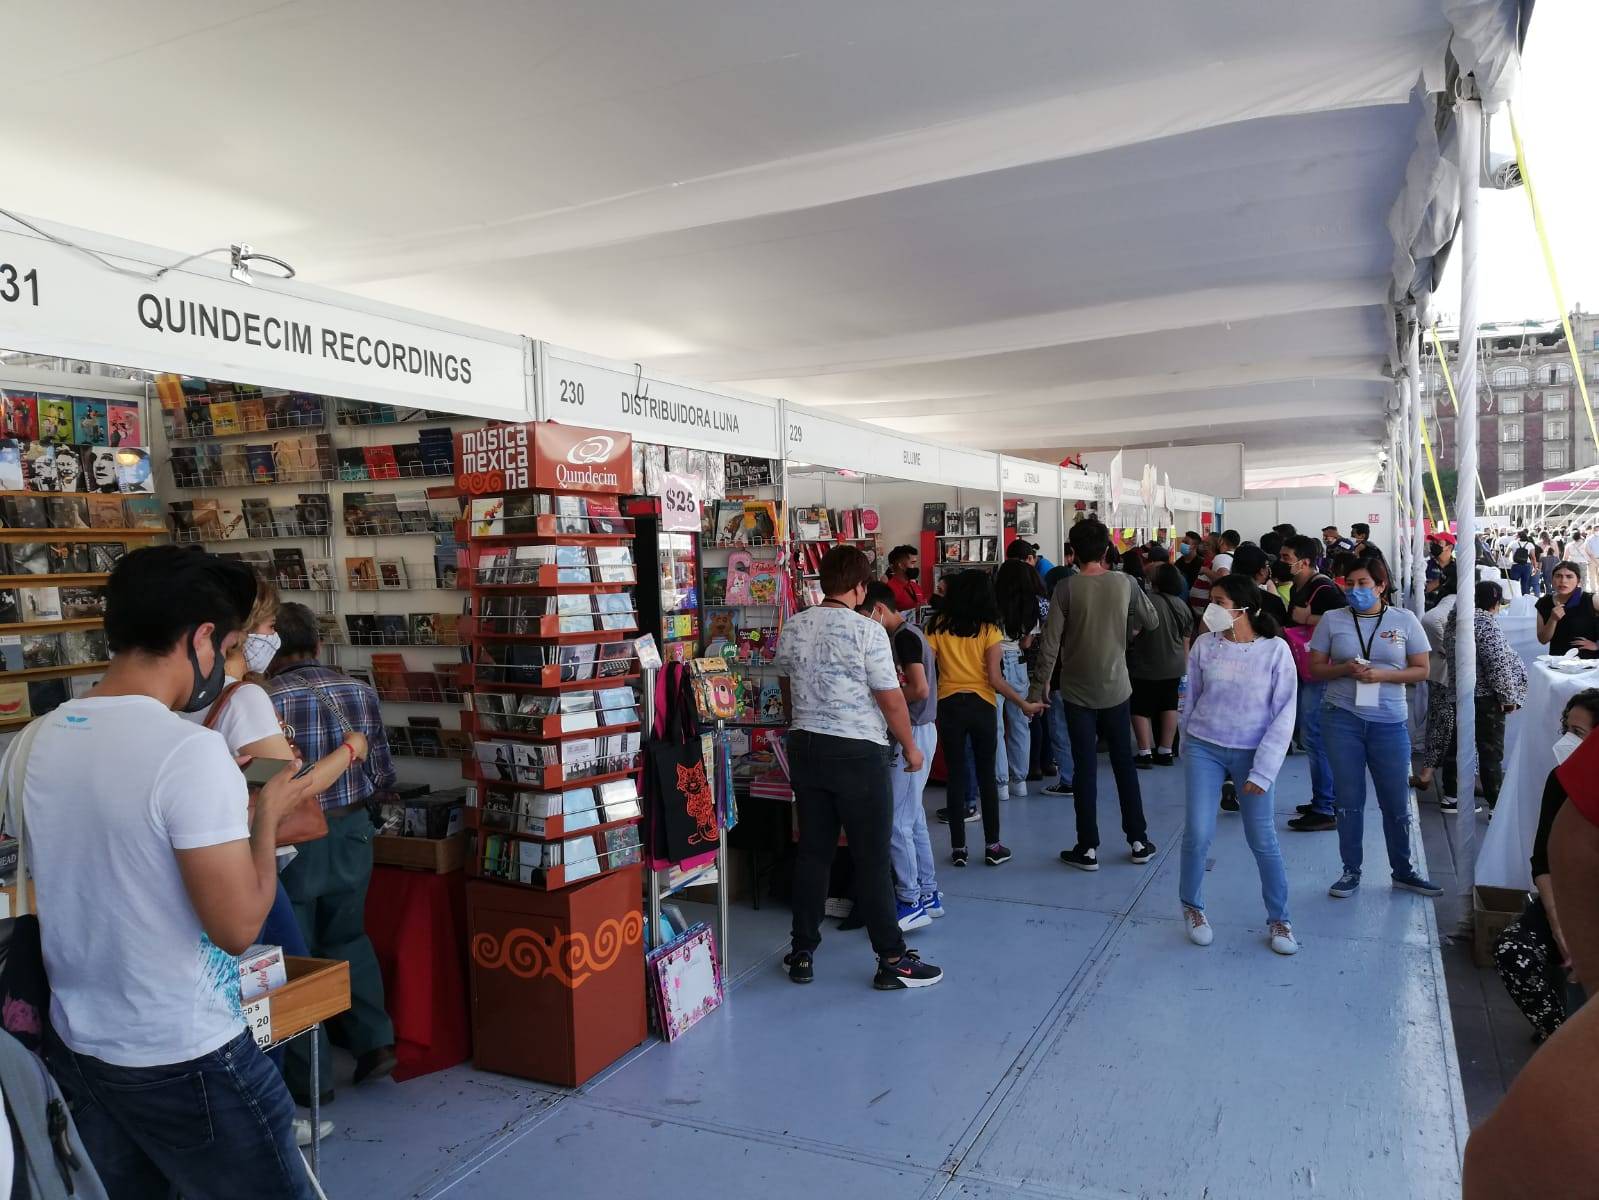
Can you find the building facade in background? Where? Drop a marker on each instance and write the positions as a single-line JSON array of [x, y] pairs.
[[1531, 425]]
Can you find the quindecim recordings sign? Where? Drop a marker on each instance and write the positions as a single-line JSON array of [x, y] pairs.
[[534, 454], [197, 321]]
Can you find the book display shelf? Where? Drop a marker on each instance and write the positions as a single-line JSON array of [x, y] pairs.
[[554, 889], [69, 510]]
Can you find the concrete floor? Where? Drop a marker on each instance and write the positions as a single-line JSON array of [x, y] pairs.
[[1079, 1047]]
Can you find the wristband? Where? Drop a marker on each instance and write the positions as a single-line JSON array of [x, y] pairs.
[[351, 749]]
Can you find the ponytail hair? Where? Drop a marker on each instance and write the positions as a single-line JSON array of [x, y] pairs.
[[1246, 596]]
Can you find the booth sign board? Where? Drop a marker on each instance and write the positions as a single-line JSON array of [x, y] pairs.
[[826, 441], [1021, 477], [578, 389], [540, 454], [967, 468], [197, 320]]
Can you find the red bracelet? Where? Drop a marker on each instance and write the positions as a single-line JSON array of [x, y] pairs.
[[353, 756]]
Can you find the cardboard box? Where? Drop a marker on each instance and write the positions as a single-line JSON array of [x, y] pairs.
[[261, 969], [1492, 908]]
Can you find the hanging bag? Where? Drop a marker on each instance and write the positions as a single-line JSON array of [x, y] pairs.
[[306, 822], [24, 987], [678, 781], [1298, 639]]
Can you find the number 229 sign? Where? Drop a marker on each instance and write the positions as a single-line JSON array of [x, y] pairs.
[[680, 507]]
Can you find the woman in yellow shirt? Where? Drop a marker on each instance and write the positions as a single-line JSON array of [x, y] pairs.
[[966, 637]]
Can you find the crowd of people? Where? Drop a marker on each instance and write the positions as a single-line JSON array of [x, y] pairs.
[[1217, 652]]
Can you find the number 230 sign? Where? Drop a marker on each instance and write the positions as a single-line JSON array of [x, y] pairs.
[[680, 508]]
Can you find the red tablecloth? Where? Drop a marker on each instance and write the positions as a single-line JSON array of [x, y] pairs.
[[417, 923]]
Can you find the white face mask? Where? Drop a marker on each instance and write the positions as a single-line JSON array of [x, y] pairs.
[[1566, 747], [1218, 619], [260, 649]]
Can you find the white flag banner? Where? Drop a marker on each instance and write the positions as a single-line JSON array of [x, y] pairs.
[[1116, 485]]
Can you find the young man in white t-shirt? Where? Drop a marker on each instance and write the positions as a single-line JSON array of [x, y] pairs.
[[150, 878]]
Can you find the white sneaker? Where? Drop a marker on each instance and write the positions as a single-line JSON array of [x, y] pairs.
[[1004, 791], [1282, 938], [1199, 930], [302, 1130], [1018, 787]]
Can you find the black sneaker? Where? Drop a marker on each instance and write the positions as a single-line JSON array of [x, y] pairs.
[[1144, 762], [909, 972], [943, 815], [1083, 858], [1143, 852], [996, 855], [1302, 809], [1229, 796], [1165, 759], [799, 966], [1059, 789], [1313, 822], [957, 857]]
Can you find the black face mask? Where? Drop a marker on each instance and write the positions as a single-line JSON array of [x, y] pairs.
[[912, 573], [206, 687]]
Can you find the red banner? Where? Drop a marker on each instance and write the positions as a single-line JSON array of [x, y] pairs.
[[500, 459]]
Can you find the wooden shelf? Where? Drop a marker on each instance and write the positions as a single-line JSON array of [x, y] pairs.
[[43, 580], [54, 626], [54, 672], [78, 535]]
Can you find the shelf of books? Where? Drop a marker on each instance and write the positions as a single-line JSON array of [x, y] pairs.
[[552, 718], [954, 539], [76, 494]]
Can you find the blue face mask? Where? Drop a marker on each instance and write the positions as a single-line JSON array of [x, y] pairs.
[[1186, 549], [1362, 598]]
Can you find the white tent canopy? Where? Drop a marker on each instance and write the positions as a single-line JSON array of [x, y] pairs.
[[1030, 226]]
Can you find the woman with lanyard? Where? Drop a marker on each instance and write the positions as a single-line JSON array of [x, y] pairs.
[[1367, 653], [1568, 618]]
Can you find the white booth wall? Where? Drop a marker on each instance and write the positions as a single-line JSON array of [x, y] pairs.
[[1308, 510]]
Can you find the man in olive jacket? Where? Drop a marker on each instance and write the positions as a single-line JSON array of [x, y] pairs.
[[1092, 615]]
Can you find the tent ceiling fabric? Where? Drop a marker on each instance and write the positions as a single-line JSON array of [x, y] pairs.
[[977, 222]]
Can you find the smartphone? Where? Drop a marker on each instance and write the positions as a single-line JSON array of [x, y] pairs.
[[259, 770]]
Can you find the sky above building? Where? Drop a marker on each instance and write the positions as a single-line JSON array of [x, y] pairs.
[[1553, 111]]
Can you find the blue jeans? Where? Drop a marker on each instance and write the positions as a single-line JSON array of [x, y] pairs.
[[1321, 776], [1016, 735], [1354, 746], [910, 852], [217, 1126], [1062, 740], [1086, 726], [1205, 766]]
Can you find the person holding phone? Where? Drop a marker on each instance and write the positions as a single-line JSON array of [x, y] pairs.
[[1367, 653], [321, 708], [152, 876]]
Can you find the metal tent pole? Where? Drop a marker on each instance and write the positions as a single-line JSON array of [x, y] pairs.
[[1418, 536], [1465, 664]]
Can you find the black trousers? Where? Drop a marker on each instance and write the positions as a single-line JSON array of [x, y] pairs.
[[1490, 750], [843, 782], [961, 716]]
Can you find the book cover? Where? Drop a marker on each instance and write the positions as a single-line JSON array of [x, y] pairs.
[[142, 512], [408, 460], [89, 421], [715, 585], [71, 466], [422, 630], [393, 629], [289, 565], [19, 416], [55, 419], [352, 463], [11, 653], [10, 606], [971, 519], [27, 512], [77, 648], [104, 556], [739, 566], [78, 603], [67, 558], [392, 574], [100, 469], [363, 628], [40, 604], [39, 467], [47, 695], [14, 701], [67, 512], [225, 418], [322, 576], [11, 465], [488, 516], [361, 574], [133, 470], [380, 462], [124, 423], [253, 415], [41, 650], [764, 581]]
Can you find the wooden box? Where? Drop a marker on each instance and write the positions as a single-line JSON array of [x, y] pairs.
[[438, 855], [1492, 908], [557, 977], [318, 988]]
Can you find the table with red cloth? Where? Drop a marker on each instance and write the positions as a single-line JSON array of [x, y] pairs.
[[417, 923]]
